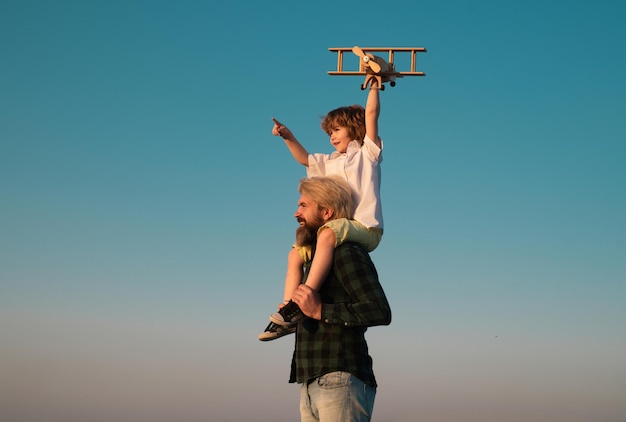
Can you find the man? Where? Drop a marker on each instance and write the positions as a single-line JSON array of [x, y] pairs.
[[331, 358]]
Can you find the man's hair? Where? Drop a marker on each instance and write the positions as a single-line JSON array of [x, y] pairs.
[[352, 117], [331, 193]]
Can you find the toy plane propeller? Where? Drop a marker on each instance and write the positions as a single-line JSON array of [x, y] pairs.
[[368, 61]]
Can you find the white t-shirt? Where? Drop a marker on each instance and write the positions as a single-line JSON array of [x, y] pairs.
[[360, 167]]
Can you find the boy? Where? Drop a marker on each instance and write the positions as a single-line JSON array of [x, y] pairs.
[[353, 132]]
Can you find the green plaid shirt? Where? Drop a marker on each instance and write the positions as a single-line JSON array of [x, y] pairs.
[[352, 300]]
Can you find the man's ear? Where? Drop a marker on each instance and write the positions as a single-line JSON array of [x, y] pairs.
[[327, 214]]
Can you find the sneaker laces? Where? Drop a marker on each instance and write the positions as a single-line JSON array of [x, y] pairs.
[[290, 310]]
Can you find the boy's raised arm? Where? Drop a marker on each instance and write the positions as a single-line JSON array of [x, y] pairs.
[[297, 150], [372, 111]]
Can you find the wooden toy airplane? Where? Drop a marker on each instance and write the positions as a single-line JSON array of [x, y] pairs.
[[375, 67]]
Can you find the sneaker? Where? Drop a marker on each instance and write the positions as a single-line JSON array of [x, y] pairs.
[[274, 331], [288, 315]]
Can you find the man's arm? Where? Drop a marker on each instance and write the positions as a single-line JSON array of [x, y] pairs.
[[368, 305], [297, 150]]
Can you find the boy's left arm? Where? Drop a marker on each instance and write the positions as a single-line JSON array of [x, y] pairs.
[[372, 111]]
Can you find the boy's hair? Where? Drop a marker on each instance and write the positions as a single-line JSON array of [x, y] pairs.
[[352, 117], [331, 193]]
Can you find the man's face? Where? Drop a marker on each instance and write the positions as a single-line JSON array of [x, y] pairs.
[[310, 218]]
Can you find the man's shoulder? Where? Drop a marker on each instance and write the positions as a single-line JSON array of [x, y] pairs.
[[350, 251], [352, 262], [350, 247]]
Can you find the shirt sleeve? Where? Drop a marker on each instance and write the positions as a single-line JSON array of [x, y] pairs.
[[372, 150], [317, 164], [366, 304]]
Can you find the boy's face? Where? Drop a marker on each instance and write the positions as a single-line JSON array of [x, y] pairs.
[[340, 138]]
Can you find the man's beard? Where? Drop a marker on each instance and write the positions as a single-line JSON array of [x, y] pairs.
[[306, 235]]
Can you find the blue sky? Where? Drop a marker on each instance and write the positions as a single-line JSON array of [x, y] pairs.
[[146, 209]]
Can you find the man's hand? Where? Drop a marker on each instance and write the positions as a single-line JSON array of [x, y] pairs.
[[309, 301]]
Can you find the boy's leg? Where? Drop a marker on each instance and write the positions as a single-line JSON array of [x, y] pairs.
[[320, 267], [295, 263], [323, 260], [294, 273]]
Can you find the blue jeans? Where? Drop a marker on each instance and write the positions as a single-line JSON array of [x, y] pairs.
[[336, 397]]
